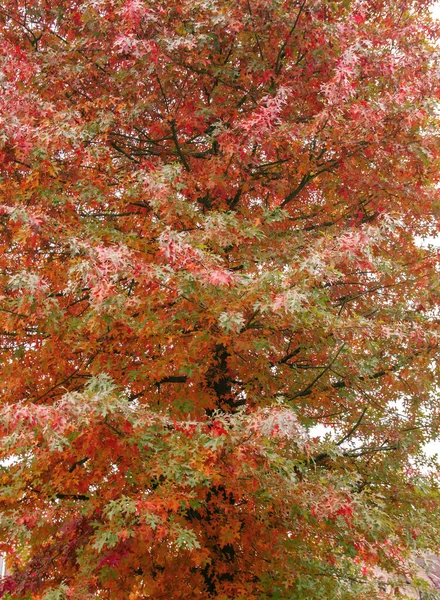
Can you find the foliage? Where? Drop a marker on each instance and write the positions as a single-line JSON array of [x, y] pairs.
[[209, 221]]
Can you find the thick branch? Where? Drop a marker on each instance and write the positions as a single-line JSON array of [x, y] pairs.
[[178, 148], [72, 497]]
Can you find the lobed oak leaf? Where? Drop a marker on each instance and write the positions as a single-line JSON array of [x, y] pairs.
[[221, 277]]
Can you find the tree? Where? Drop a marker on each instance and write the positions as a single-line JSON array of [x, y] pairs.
[[210, 214]]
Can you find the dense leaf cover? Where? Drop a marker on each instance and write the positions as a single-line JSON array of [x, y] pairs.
[[210, 213]]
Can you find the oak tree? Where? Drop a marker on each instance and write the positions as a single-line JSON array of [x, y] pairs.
[[211, 214]]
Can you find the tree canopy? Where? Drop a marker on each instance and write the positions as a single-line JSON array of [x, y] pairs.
[[210, 221]]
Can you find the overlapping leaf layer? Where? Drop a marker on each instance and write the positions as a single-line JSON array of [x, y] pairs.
[[211, 213]]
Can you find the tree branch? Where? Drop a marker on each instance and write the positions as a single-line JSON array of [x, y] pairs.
[[306, 391], [280, 55], [178, 148], [353, 429]]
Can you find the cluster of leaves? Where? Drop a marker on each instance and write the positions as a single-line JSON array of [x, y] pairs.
[[209, 221]]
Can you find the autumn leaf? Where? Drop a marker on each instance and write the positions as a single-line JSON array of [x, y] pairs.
[[219, 327]]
